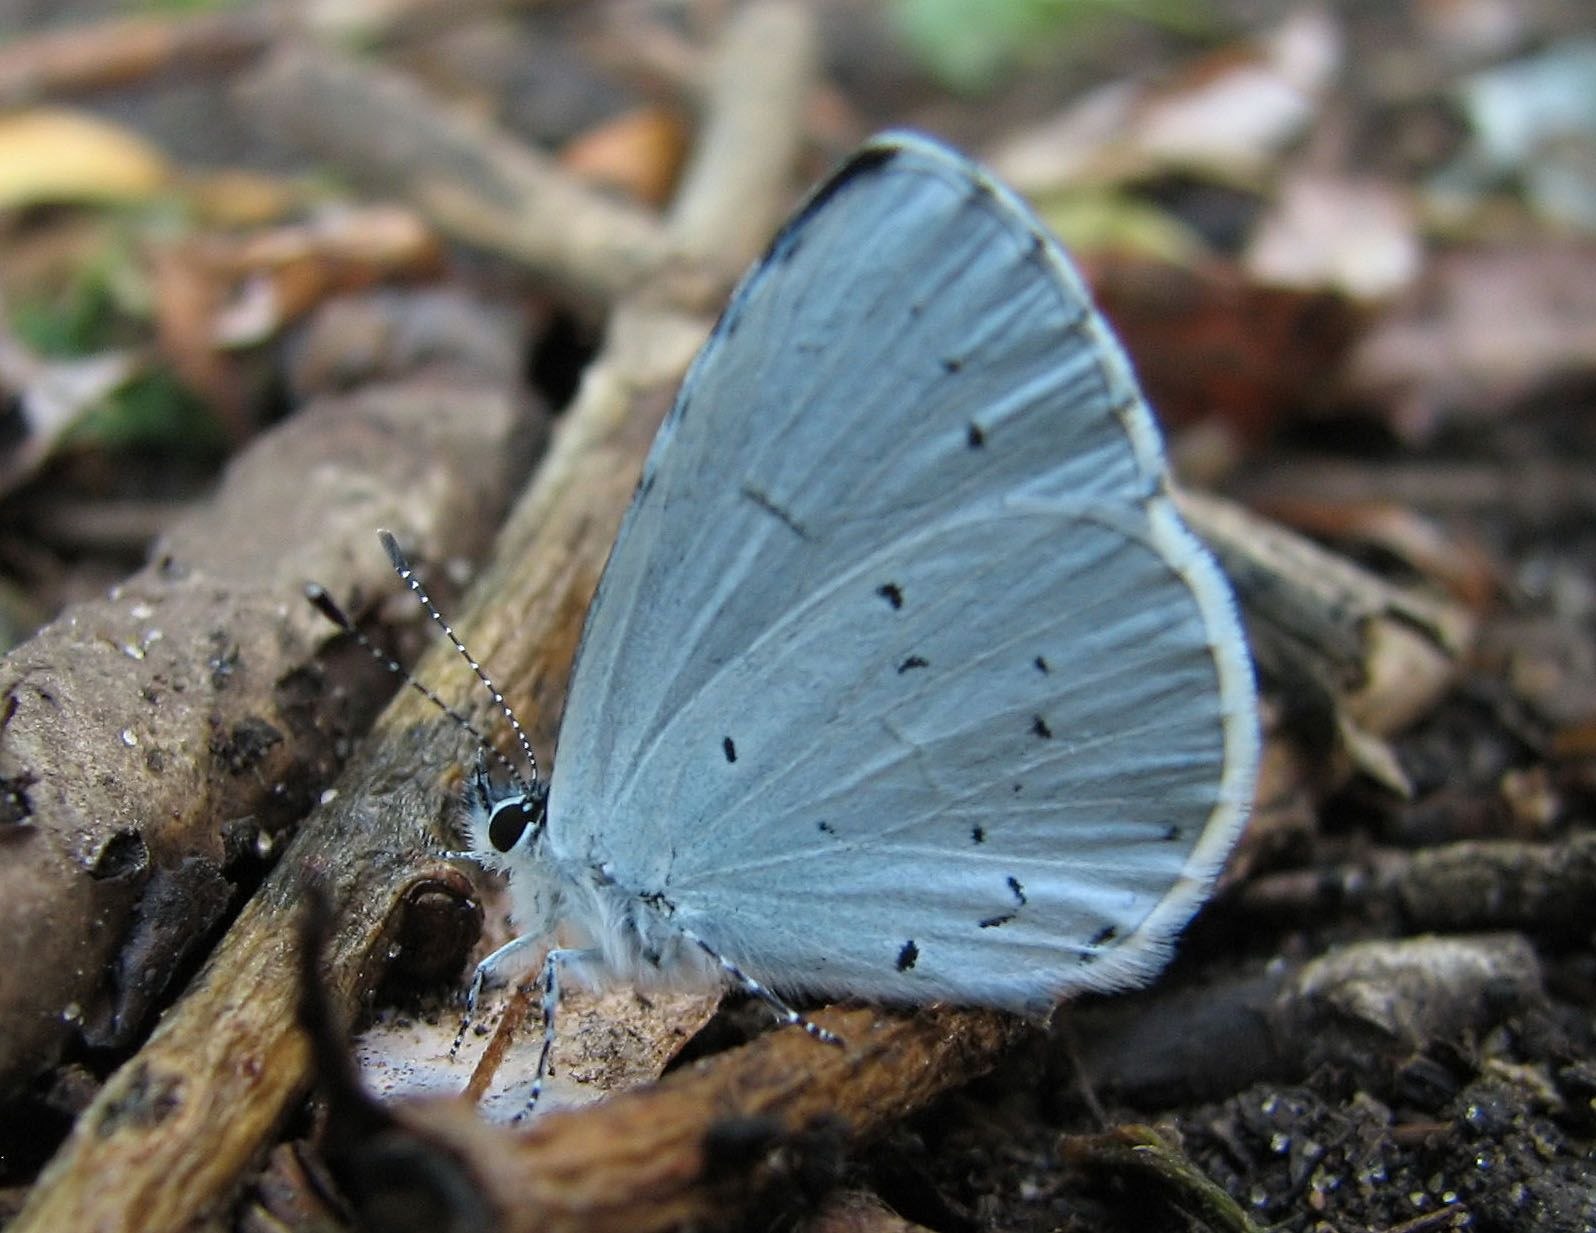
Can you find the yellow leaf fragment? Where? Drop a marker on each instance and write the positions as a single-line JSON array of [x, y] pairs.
[[53, 155]]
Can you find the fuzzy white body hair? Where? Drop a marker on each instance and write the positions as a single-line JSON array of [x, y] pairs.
[[617, 937]]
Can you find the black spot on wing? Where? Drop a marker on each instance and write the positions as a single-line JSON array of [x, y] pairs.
[[974, 436], [825, 828], [1017, 890], [729, 749], [1041, 665], [951, 364], [892, 593], [914, 661], [1172, 833], [1104, 935], [1039, 728], [908, 956], [992, 922], [978, 834]]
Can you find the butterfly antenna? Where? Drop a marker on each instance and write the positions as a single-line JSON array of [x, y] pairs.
[[325, 605], [401, 566]]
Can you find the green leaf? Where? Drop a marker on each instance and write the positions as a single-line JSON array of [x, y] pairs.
[[969, 45], [152, 412]]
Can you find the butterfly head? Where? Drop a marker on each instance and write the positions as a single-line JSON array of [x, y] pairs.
[[505, 821]]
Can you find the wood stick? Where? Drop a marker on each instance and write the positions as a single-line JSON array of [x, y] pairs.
[[80, 58], [153, 739], [1366, 657], [475, 182], [698, 1147]]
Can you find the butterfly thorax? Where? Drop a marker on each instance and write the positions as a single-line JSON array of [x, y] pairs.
[[628, 930], [631, 933]]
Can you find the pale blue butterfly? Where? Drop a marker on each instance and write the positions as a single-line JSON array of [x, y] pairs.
[[904, 680]]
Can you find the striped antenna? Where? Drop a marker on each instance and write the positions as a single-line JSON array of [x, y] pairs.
[[324, 604]]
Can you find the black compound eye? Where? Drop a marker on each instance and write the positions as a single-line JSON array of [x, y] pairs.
[[508, 823]]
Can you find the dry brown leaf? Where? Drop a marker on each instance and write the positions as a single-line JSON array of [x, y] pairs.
[[1211, 344], [1356, 236], [1486, 328], [1227, 115], [233, 197], [279, 275], [185, 295], [639, 154]]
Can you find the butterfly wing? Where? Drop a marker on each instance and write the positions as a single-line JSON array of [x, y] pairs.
[[904, 679]]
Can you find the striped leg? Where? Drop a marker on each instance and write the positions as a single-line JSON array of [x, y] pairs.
[[500, 967], [551, 1002]]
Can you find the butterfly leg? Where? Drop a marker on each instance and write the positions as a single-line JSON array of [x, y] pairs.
[[502, 966], [551, 1002], [785, 1013]]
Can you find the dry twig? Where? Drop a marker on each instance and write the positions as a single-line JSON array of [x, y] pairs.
[[476, 183], [78, 58], [698, 1147]]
